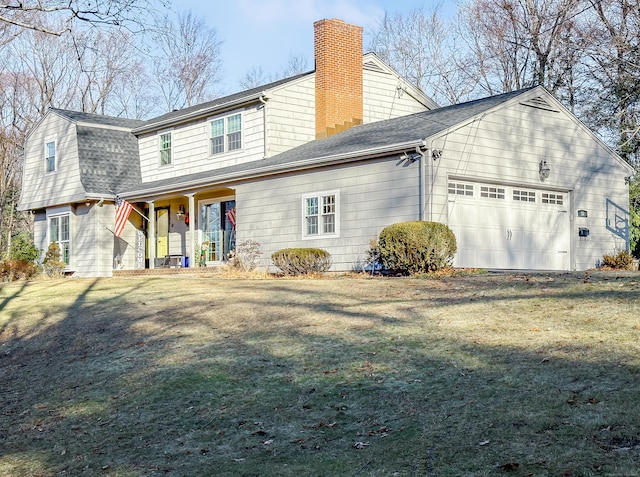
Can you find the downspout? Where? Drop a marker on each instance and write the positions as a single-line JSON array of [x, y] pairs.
[[263, 99], [424, 167]]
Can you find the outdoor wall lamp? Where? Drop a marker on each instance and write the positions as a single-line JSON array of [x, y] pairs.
[[180, 213], [544, 170]]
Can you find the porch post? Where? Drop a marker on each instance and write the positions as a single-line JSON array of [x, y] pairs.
[[152, 234], [192, 232]]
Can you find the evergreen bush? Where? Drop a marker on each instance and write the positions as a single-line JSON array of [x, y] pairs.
[[416, 247], [53, 266], [302, 261]]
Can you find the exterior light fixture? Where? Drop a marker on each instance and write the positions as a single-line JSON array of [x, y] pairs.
[[180, 213], [544, 170]]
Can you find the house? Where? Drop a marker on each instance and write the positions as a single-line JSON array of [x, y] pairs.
[[327, 159]]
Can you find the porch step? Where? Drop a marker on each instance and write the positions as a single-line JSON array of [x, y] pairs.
[[198, 271]]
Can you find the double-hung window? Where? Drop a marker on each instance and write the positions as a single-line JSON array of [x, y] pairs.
[[226, 134], [50, 156], [165, 149], [320, 214], [59, 233]]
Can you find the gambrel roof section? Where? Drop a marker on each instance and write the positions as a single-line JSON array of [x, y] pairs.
[[108, 155]]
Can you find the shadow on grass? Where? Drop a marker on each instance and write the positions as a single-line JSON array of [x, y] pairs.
[[299, 378]]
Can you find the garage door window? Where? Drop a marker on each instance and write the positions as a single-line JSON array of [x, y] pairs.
[[457, 188], [492, 192], [524, 195], [552, 198]]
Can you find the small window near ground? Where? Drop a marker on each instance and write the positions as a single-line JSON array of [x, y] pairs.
[[492, 192], [59, 233], [165, 149], [320, 214], [456, 188], [524, 195]]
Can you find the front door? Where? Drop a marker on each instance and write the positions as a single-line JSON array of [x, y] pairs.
[[162, 231], [217, 222]]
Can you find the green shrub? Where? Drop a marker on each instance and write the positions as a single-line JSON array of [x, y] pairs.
[[53, 266], [11, 270], [22, 248], [621, 260], [301, 261], [416, 247]]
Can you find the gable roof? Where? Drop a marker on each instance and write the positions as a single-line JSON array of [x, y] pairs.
[[98, 119], [108, 155], [219, 104], [366, 140]]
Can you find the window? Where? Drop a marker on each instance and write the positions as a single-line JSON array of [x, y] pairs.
[[552, 198], [59, 233], [50, 156], [165, 149], [492, 192], [226, 134], [524, 195], [320, 214], [460, 189]]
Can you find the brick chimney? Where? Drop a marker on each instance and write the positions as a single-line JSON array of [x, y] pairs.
[[338, 55]]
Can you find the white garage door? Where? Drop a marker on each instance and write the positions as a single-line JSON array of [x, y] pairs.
[[509, 227]]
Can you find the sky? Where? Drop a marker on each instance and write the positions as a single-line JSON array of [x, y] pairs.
[[266, 33]]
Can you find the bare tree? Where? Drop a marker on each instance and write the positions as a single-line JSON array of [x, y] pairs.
[[519, 43], [189, 65], [40, 15], [423, 50], [257, 76]]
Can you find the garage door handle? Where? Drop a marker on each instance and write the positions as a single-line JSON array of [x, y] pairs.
[[509, 234]]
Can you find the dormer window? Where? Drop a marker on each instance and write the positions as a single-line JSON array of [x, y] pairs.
[[165, 149], [226, 134], [50, 156]]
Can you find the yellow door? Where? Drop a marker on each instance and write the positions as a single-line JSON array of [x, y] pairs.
[[162, 232]]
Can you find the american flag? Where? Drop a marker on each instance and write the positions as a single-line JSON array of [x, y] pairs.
[[123, 209], [231, 215]]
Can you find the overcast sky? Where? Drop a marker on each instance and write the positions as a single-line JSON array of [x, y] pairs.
[[267, 32]]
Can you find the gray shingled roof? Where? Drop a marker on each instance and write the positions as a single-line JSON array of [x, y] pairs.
[[352, 143], [99, 119], [208, 107], [108, 157]]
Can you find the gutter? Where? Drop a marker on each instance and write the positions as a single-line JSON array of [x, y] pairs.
[[175, 120]]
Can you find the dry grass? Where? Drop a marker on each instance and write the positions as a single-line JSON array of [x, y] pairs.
[[472, 375]]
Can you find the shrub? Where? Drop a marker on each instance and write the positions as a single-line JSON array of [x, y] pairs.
[[416, 247], [245, 256], [22, 248], [301, 261], [11, 270], [621, 260], [53, 266]]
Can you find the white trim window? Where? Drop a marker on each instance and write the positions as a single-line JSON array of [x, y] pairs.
[[50, 155], [59, 232], [226, 134], [321, 214], [165, 148]]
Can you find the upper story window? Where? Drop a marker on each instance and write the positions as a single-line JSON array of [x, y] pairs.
[[165, 149], [50, 156], [321, 214], [226, 134]]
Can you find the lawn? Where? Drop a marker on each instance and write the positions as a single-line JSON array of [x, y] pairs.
[[476, 375]]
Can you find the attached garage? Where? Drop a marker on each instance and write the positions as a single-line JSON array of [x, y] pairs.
[[509, 226]]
